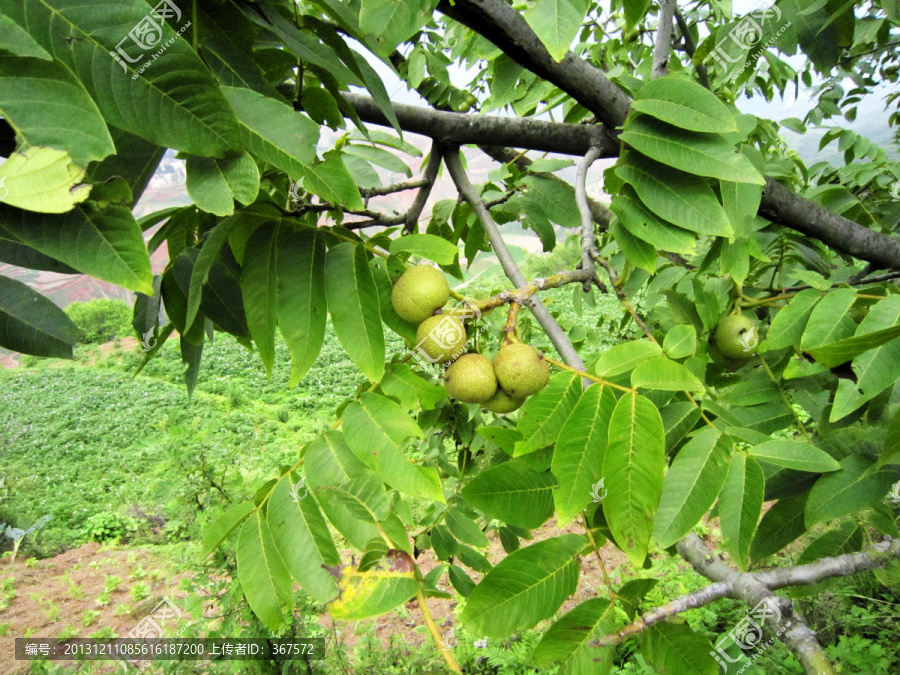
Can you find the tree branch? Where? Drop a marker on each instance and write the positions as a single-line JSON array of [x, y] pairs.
[[431, 172], [506, 28], [367, 193], [461, 129], [559, 339], [690, 48], [587, 222], [664, 34]]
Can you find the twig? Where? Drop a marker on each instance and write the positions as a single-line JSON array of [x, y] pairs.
[[431, 172], [620, 294], [587, 222], [588, 376], [511, 319], [729, 583], [548, 323], [664, 35], [690, 48], [391, 189], [435, 633]]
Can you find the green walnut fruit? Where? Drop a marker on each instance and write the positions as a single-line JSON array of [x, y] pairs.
[[441, 338], [471, 379], [728, 364], [858, 313], [521, 370], [737, 336], [419, 292], [502, 403]]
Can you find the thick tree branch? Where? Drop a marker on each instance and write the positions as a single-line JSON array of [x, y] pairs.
[[783, 206], [873, 557], [461, 129], [664, 34], [787, 625], [559, 339], [506, 28]]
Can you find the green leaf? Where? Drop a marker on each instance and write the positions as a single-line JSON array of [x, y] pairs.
[[838, 352], [675, 649], [891, 442], [790, 322], [626, 356], [795, 455], [389, 23], [685, 104], [544, 413], [174, 103], [371, 593], [556, 23], [678, 197], [678, 419], [781, 525], [513, 493], [525, 587], [375, 427], [637, 251], [635, 10], [46, 105], [740, 503], [661, 373], [354, 508], [214, 184], [32, 324], [830, 320], [302, 306], [274, 132], [330, 461], [264, 579], [16, 40], [566, 641], [695, 153], [354, 306], [301, 536], [633, 470], [555, 199], [42, 180], [380, 157], [105, 243], [413, 391], [224, 525], [681, 341], [259, 286], [465, 529], [428, 246], [578, 458], [857, 486], [641, 222], [875, 370], [332, 182], [691, 485]]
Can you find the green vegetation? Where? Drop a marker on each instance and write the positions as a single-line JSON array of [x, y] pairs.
[[101, 320]]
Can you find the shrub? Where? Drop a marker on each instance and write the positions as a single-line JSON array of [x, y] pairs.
[[107, 526], [100, 320]]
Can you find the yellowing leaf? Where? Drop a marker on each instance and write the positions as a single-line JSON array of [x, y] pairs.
[[43, 180]]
